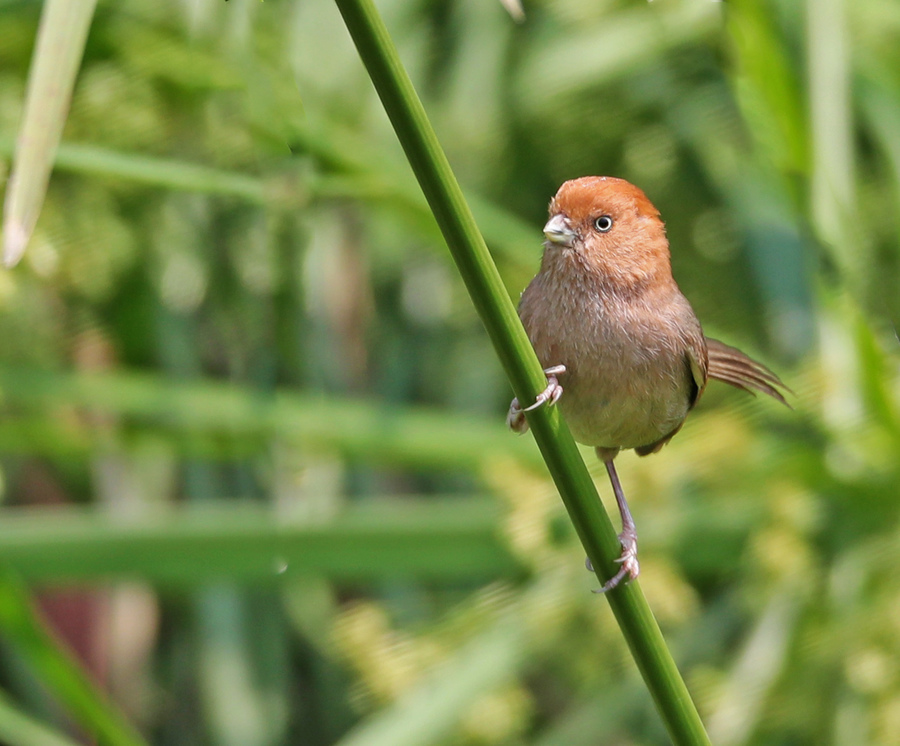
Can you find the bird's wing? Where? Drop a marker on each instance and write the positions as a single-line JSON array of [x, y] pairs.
[[695, 359], [698, 364], [730, 365]]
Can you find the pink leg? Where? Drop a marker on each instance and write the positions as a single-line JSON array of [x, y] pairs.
[[630, 567]]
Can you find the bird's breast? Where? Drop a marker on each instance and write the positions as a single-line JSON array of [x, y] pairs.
[[628, 381]]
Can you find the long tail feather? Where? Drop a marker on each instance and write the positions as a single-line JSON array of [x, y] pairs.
[[731, 366]]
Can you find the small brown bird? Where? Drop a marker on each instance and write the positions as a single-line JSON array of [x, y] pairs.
[[613, 331]]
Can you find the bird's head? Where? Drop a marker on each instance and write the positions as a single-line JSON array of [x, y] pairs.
[[609, 226]]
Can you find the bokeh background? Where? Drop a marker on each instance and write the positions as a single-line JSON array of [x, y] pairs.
[[253, 459]]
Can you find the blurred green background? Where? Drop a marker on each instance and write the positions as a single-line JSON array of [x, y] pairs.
[[252, 451]]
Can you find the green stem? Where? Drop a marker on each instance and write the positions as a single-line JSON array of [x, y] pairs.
[[520, 363]]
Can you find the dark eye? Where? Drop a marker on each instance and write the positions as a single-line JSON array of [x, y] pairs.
[[603, 224]]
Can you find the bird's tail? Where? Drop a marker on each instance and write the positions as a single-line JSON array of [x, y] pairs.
[[730, 365]]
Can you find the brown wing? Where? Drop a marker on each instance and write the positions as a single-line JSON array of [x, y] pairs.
[[730, 365], [723, 363], [695, 359], [698, 363]]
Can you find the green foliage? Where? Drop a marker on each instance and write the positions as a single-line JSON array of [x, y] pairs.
[[236, 294]]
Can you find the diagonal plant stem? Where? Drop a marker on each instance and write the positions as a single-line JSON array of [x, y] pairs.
[[26, 633], [17, 728], [57, 57], [483, 282]]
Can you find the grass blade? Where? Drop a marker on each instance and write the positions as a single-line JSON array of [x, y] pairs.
[[351, 178], [832, 198], [57, 669], [192, 410], [19, 729], [449, 539], [57, 57], [762, 660], [430, 712]]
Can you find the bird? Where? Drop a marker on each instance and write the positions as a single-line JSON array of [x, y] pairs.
[[623, 352]]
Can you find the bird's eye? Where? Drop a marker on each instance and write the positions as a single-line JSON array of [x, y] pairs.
[[603, 224]]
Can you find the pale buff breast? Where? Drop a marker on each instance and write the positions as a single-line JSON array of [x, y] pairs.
[[628, 381]]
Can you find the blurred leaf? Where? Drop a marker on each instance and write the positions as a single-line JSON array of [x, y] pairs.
[[766, 85], [154, 171], [57, 669], [160, 53], [355, 428], [430, 714], [57, 56], [881, 109], [595, 54], [876, 380], [515, 10], [244, 705], [756, 670], [832, 186], [430, 539], [19, 729], [513, 238]]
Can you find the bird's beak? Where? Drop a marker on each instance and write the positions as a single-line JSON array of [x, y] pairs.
[[559, 231]]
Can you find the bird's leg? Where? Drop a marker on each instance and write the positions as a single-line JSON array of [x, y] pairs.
[[628, 538], [515, 420]]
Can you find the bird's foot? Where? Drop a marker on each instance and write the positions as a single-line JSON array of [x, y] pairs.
[[630, 567], [515, 419], [550, 395]]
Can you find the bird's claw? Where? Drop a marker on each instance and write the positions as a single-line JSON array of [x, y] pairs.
[[630, 567], [548, 396], [515, 419]]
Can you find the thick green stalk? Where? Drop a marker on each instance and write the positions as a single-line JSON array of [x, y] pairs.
[[520, 363]]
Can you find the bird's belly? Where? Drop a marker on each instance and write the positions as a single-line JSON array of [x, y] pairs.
[[628, 380], [600, 414]]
